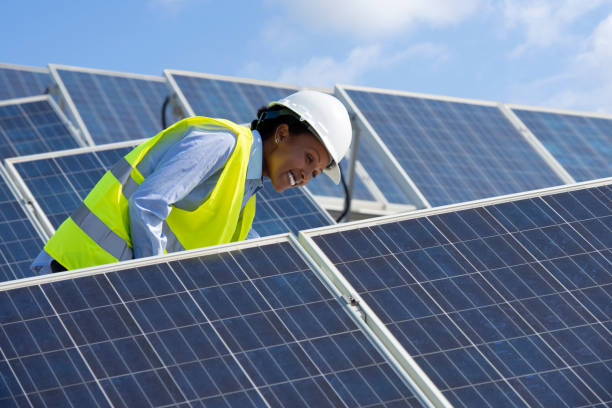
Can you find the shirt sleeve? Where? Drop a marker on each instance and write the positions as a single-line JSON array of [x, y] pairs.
[[190, 161], [252, 234]]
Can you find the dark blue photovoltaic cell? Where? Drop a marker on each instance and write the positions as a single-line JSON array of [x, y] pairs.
[[60, 184], [32, 127], [507, 305], [453, 151], [116, 108], [232, 100], [581, 144], [250, 328], [19, 241], [19, 83]]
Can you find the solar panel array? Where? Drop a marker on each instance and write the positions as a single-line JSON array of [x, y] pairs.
[[19, 82], [19, 239], [32, 125], [502, 305], [505, 305], [59, 183], [253, 327], [112, 107], [453, 151], [581, 143]]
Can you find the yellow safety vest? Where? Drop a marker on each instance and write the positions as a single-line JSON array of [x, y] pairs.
[[98, 232]]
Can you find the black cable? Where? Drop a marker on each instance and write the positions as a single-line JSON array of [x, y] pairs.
[[347, 197], [163, 112]]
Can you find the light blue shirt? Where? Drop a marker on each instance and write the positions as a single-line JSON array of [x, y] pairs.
[[184, 177]]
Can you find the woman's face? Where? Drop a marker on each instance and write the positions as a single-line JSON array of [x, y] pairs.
[[294, 160]]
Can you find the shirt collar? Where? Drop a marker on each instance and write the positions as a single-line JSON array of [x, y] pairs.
[[255, 158]]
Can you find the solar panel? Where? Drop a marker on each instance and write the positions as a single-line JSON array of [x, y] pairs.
[[581, 143], [501, 303], [59, 182], [20, 241], [112, 107], [451, 150], [33, 125], [20, 81], [253, 325]]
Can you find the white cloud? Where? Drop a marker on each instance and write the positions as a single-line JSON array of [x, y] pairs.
[[545, 22], [327, 71], [586, 83], [593, 73], [369, 18]]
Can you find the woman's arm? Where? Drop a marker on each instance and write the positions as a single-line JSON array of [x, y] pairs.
[[190, 161]]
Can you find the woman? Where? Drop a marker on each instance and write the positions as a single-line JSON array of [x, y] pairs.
[[193, 184]]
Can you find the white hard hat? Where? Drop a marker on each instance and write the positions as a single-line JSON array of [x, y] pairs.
[[328, 118]]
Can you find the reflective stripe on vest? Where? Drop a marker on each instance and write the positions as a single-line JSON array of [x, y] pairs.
[[98, 232], [122, 171], [101, 234]]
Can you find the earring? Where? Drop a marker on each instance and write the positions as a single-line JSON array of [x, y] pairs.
[[276, 140]]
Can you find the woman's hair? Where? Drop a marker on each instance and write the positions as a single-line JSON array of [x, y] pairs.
[[267, 127]]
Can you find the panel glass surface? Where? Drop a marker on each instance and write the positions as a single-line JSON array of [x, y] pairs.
[[248, 328], [581, 144], [19, 241], [59, 184], [19, 83], [116, 108], [32, 127], [507, 305], [233, 100], [453, 151]]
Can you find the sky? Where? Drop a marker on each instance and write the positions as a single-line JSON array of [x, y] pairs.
[[552, 53]]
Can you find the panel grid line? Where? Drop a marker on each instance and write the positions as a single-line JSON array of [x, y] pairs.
[[271, 308], [509, 303], [444, 313], [143, 331], [76, 347], [227, 347]]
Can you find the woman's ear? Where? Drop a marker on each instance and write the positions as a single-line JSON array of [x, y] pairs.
[[281, 133]]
